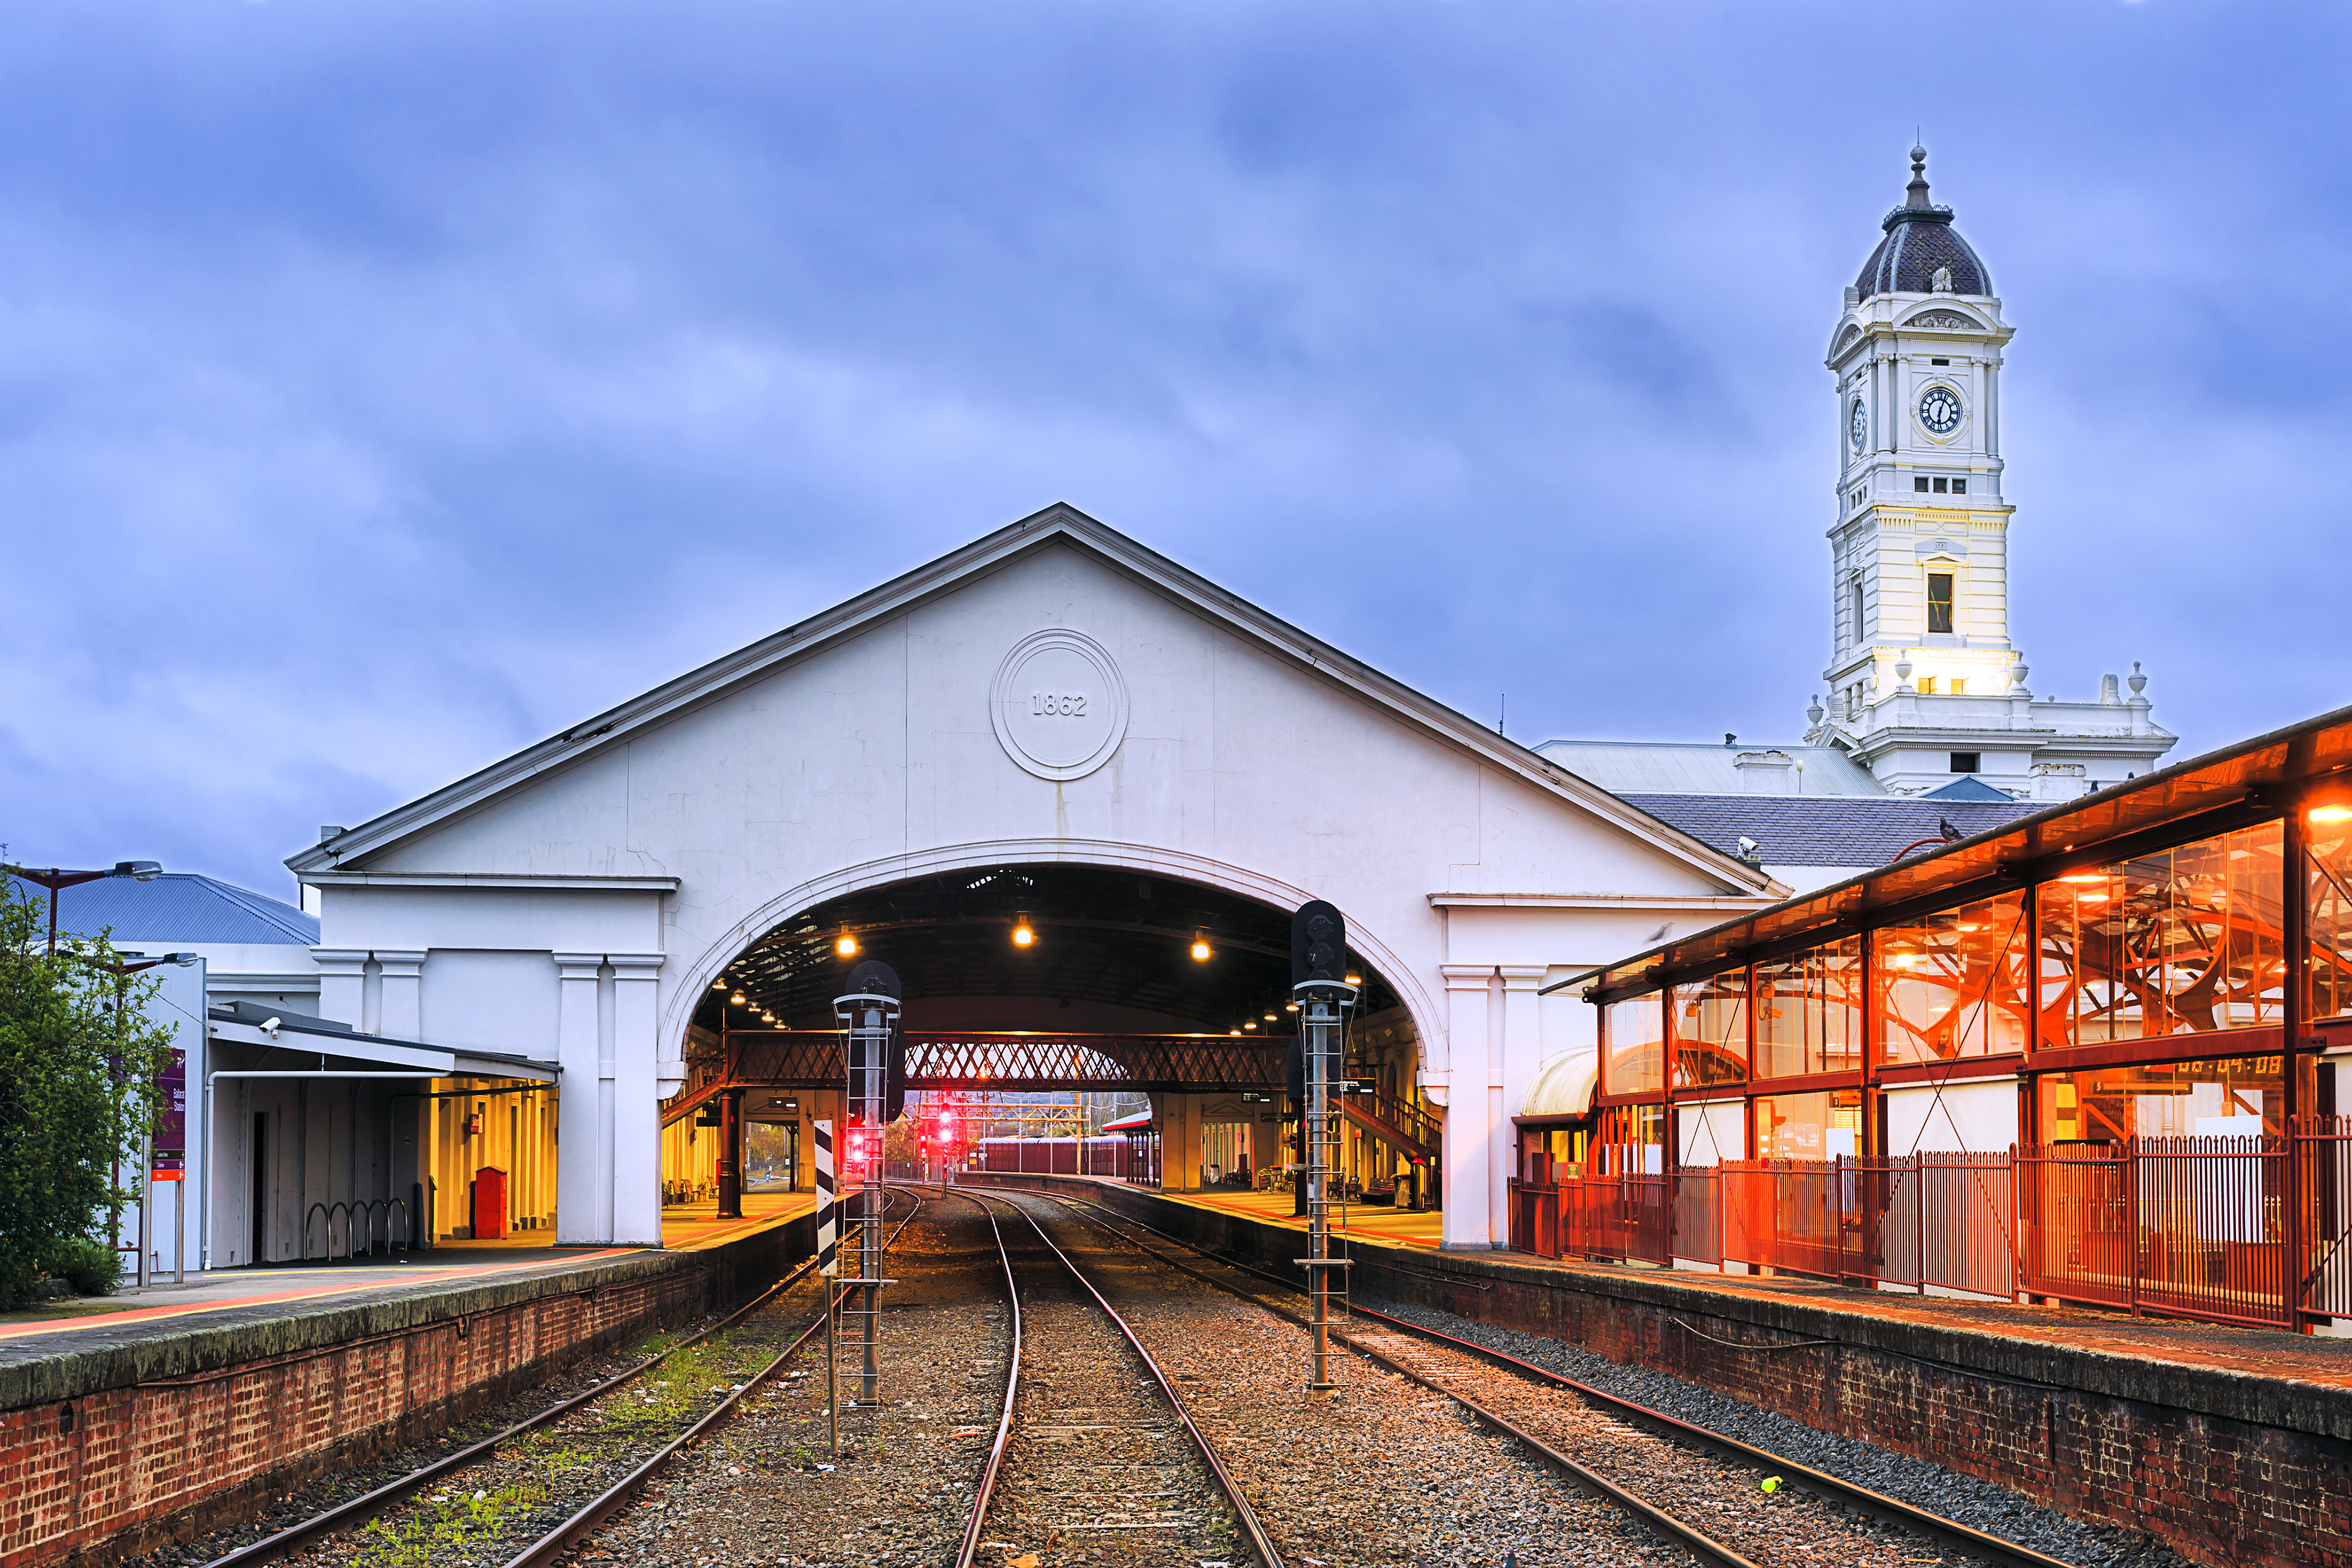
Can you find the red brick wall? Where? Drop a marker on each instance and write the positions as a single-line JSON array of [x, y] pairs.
[[131, 1466]]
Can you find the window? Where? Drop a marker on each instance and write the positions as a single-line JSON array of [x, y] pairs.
[[1634, 1052], [1928, 685], [2329, 882], [1957, 688], [2237, 1097], [1942, 485], [1853, 591], [1939, 601], [2180, 941], [1809, 1011], [1919, 483], [1939, 361], [1959, 487], [1810, 1126], [1967, 761], [1633, 1138], [1953, 984], [1710, 1043]]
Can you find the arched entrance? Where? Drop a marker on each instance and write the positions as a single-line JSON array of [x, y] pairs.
[[1101, 988]]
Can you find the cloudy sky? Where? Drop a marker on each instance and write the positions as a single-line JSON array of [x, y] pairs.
[[384, 386]]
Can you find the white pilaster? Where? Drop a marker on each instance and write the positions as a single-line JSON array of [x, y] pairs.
[[636, 1109], [1517, 1056], [1467, 1217], [343, 985], [400, 1015], [584, 1160]]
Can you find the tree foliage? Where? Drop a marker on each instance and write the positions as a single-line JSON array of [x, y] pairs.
[[79, 1092]]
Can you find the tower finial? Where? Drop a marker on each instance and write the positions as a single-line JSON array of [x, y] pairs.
[[1917, 190]]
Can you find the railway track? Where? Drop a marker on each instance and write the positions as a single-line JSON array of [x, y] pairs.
[[632, 1425], [1611, 1446], [1106, 1454]]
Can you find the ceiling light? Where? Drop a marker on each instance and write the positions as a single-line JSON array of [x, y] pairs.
[[1269, 1017], [1232, 1031], [1022, 936], [737, 999], [767, 1017], [2085, 877], [1249, 1022], [1290, 1007], [846, 946], [1200, 950], [1354, 978], [2331, 814], [719, 985]]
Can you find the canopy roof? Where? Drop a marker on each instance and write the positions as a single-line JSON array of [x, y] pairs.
[[2253, 781]]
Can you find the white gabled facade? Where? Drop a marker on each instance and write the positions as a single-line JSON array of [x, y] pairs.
[[1923, 676]]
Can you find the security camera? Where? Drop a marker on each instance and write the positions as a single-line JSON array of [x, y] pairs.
[[182, 959], [269, 1027], [1747, 849]]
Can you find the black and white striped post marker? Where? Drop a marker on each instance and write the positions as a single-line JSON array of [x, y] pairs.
[[829, 1227]]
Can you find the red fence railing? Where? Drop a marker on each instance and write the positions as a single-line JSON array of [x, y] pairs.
[[2186, 1227]]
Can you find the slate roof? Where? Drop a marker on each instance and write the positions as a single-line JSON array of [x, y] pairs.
[[1920, 239], [177, 907], [1824, 830]]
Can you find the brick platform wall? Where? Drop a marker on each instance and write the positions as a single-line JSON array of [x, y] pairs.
[[151, 1454], [2230, 1471]]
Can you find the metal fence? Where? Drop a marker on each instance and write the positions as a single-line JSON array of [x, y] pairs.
[[2247, 1231]]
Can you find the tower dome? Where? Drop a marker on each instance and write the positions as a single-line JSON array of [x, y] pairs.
[[1920, 243]]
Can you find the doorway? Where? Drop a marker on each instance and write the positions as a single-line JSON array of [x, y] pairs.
[[260, 1207]]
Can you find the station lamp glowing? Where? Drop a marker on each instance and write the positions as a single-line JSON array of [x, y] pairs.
[[1022, 936], [1200, 950], [1269, 1017], [1354, 978], [1249, 1022], [846, 946], [737, 999], [1290, 1007], [2331, 814]]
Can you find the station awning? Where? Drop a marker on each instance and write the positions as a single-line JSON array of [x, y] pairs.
[[340, 1046]]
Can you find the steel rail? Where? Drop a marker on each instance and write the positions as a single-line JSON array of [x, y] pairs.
[[358, 1510], [981, 1491], [1657, 1520], [1861, 1500], [564, 1536], [1252, 1530]]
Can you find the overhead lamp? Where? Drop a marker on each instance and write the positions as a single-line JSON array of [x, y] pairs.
[[1232, 1031], [847, 945], [1200, 950], [1022, 936], [1290, 1007], [2331, 814], [719, 985], [1249, 1022], [1269, 1017], [737, 999], [767, 1017], [2084, 877], [1354, 978]]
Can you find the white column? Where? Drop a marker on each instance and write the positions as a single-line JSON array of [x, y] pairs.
[[400, 1015], [342, 985], [583, 1174], [636, 1109], [1469, 1128], [1518, 1055]]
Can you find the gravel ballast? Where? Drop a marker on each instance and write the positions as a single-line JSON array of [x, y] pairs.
[[1977, 1503]]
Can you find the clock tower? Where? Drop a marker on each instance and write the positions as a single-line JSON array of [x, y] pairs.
[[1923, 683]]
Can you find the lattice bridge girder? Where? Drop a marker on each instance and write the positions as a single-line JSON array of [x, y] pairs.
[[1003, 1059]]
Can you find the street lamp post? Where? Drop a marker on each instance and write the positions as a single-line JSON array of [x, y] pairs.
[[53, 879]]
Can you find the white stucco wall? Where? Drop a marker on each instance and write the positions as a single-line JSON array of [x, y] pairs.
[[873, 759]]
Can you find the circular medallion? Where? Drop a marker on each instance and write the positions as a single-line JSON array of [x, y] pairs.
[[1058, 705], [1858, 426]]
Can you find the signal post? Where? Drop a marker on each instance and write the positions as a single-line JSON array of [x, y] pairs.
[[1318, 968]]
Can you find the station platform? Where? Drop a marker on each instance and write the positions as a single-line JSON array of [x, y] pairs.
[[1362, 1222], [230, 1297]]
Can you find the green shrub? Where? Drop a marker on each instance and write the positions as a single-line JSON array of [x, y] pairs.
[[87, 1265]]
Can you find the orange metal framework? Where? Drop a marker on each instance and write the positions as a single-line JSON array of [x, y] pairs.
[[2025, 979]]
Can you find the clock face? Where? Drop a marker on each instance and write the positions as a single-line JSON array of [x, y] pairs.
[[1939, 410], [1858, 426]]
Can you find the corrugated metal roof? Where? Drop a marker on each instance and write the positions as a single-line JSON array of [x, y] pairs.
[[1651, 767], [177, 907], [1824, 830]]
